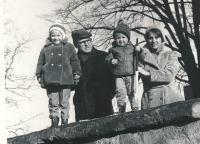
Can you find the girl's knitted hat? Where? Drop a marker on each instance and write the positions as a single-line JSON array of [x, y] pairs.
[[155, 27], [57, 26], [122, 27]]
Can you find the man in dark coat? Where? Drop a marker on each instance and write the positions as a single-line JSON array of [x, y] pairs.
[[95, 90]]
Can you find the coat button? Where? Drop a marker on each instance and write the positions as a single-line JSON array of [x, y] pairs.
[[150, 99], [52, 64], [59, 65], [161, 98], [59, 54], [51, 53]]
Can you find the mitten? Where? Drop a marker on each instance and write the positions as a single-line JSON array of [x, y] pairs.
[[76, 79]]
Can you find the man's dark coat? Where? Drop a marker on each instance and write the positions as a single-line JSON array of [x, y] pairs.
[[95, 90]]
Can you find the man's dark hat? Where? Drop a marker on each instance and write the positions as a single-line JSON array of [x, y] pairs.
[[80, 34]]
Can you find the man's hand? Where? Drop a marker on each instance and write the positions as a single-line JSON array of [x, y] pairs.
[[143, 72], [39, 80], [76, 79], [114, 61]]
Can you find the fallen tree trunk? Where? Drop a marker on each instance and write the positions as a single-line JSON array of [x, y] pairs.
[[176, 114], [187, 134]]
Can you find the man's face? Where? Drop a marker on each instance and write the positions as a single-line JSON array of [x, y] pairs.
[[84, 45]]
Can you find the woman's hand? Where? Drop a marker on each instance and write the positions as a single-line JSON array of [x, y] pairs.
[[137, 48], [114, 61], [143, 72]]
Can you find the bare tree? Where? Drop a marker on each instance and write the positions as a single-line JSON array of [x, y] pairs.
[[180, 18], [16, 83]]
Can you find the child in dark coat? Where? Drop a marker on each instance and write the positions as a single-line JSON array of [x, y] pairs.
[[121, 60], [58, 69]]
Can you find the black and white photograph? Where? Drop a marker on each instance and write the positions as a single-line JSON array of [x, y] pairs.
[[100, 72]]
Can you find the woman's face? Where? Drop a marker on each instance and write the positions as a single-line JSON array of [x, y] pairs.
[[154, 41]]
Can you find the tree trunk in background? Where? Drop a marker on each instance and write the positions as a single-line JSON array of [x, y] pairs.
[[196, 19], [191, 69]]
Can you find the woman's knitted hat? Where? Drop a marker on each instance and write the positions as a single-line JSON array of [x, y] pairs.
[[155, 27], [122, 27], [57, 26]]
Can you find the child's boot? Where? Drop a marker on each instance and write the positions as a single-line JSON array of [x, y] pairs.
[[64, 121], [134, 108], [133, 103], [122, 109], [54, 121]]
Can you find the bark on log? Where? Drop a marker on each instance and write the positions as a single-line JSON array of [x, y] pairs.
[[175, 114], [187, 134]]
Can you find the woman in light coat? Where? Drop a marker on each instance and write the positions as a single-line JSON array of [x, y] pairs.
[[157, 69]]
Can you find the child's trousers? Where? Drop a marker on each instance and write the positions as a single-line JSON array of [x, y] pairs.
[[124, 87], [59, 99]]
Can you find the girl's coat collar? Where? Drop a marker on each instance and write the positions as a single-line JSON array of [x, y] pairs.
[[49, 42]]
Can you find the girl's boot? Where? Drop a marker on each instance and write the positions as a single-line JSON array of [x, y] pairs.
[[122, 109], [54, 121]]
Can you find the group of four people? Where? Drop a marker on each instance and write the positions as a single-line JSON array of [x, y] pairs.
[[97, 76]]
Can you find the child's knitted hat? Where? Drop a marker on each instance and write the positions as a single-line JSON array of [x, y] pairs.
[[57, 26], [122, 27]]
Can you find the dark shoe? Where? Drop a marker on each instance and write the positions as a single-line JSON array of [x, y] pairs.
[[64, 121], [54, 121], [134, 108], [122, 109]]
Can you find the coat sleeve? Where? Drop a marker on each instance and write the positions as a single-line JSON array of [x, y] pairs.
[[109, 57], [40, 64], [74, 61], [169, 72]]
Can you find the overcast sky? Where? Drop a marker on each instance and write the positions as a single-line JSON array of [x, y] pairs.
[[24, 14]]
